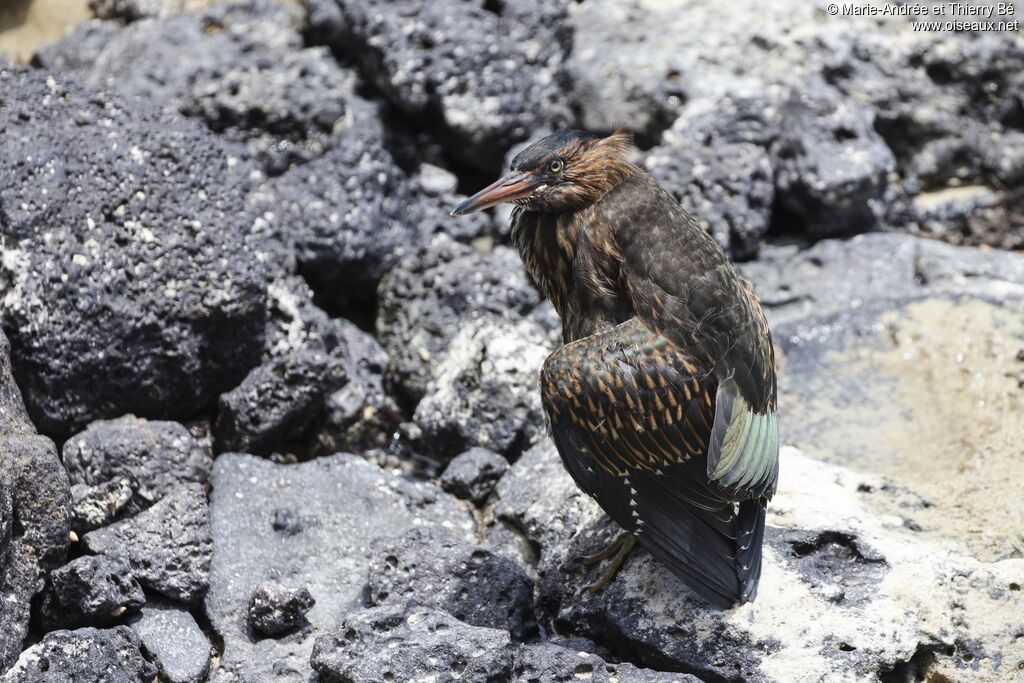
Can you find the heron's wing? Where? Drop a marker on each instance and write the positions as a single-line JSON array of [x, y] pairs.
[[632, 415], [681, 285]]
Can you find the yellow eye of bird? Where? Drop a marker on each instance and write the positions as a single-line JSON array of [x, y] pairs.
[[556, 166]]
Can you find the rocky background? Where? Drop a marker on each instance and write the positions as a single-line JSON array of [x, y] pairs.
[[268, 414]]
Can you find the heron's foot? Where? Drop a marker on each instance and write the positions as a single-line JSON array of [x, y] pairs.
[[617, 551]]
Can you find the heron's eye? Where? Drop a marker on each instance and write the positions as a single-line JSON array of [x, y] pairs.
[[556, 166]]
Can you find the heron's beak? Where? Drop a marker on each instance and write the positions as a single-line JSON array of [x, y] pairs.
[[513, 186]]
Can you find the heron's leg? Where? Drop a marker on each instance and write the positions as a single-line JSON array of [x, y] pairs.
[[617, 551]]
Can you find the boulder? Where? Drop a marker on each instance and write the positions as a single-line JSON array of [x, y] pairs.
[[168, 546], [130, 283], [322, 392], [431, 643], [89, 591], [348, 216], [237, 67], [155, 456], [831, 166], [35, 511], [171, 639], [86, 654], [728, 187], [310, 525], [279, 406], [849, 590], [440, 570], [430, 297], [485, 389], [483, 75]]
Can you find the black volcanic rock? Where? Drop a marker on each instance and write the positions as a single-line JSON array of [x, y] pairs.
[[431, 295], [92, 590], [727, 187], [274, 609], [473, 474], [440, 570], [432, 643], [154, 456], [168, 546], [309, 525], [173, 641], [238, 67], [88, 655], [131, 285], [35, 511], [484, 390], [484, 81], [348, 216]]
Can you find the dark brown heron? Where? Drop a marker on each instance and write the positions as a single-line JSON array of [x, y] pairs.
[[662, 399]]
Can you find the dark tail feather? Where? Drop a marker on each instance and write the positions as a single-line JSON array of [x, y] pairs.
[[750, 524]]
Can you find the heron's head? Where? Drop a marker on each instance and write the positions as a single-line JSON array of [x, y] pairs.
[[566, 171]]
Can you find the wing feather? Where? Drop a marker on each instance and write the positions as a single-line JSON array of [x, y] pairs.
[[685, 289], [650, 474]]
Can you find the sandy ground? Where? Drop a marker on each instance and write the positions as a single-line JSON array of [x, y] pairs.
[[942, 412], [27, 24]]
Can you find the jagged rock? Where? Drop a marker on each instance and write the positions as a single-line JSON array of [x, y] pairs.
[[168, 546], [325, 395], [279, 406], [970, 129], [438, 191], [848, 589], [485, 389], [433, 643], [274, 609], [831, 167], [96, 506], [238, 67], [89, 591], [172, 640], [835, 276], [35, 510], [309, 525], [627, 85], [349, 217], [107, 315], [473, 474], [86, 655], [728, 187], [483, 80], [550, 663], [940, 100], [426, 300], [154, 456], [439, 570], [362, 413]]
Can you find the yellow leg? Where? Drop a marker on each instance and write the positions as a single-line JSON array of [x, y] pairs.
[[617, 550]]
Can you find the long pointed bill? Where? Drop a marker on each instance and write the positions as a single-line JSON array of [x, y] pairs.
[[507, 189]]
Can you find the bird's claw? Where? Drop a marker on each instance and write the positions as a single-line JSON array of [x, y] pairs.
[[617, 550]]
